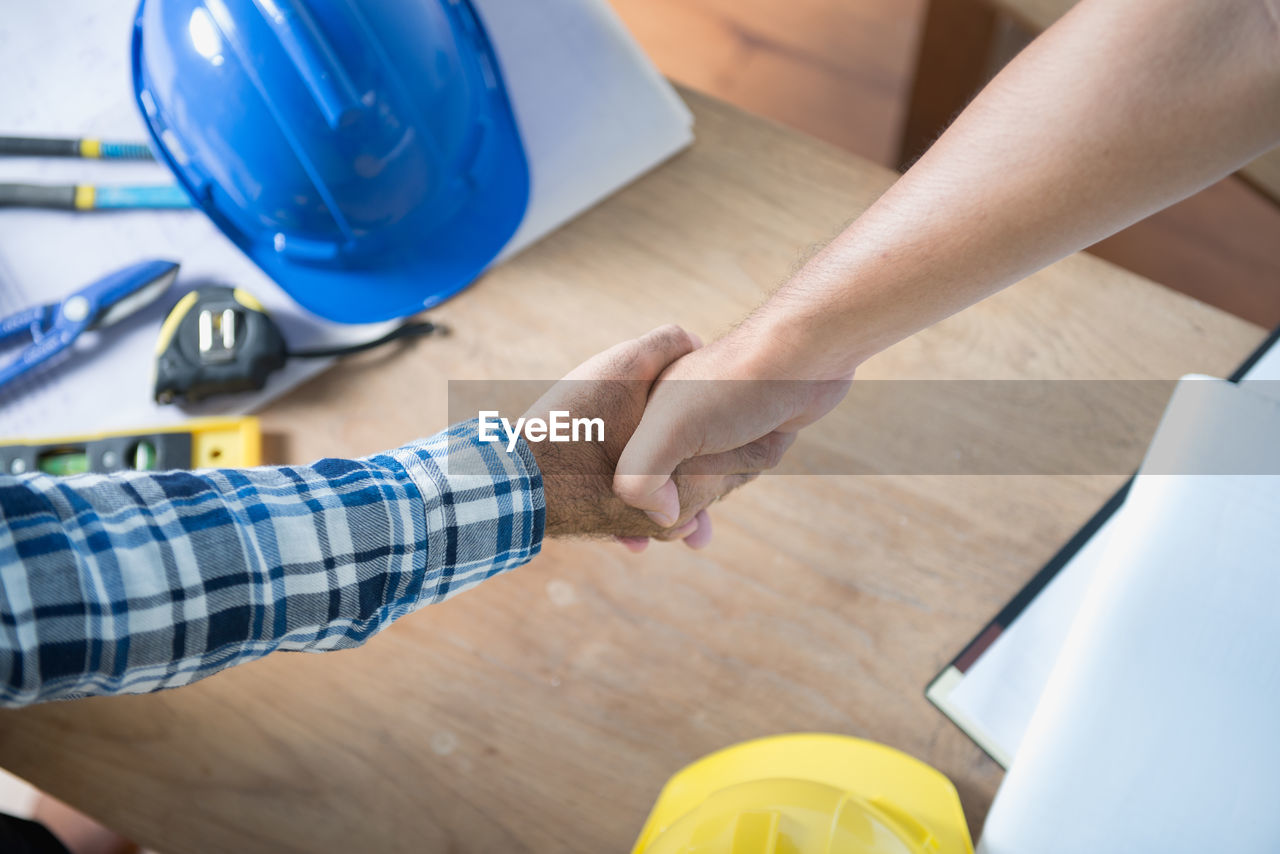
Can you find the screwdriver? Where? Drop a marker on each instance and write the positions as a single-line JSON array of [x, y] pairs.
[[87, 146]]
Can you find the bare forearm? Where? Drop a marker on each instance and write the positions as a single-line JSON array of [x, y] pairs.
[[1122, 108], [1117, 111]]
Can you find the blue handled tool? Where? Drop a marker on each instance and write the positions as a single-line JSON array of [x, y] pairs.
[[85, 146], [92, 197], [55, 326], [85, 197]]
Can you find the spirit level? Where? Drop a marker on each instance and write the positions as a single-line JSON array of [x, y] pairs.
[[199, 443]]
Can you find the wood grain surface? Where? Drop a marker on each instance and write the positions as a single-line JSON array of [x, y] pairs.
[[835, 69], [543, 711]]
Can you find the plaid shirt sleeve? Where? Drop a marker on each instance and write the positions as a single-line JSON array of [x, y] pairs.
[[135, 582]]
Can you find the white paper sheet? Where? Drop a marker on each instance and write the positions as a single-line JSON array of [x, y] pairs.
[[593, 113], [999, 693], [1157, 729]]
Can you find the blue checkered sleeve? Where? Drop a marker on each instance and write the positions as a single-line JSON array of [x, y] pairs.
[[135, 582]]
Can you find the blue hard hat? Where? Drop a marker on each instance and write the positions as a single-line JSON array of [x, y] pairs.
[[364, 154]]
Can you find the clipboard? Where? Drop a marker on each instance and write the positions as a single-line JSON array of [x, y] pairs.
[[994, 718]]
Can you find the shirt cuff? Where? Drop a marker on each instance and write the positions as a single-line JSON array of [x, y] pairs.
[[483, 507]]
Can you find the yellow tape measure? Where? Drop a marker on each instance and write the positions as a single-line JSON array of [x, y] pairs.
[[195, 444]]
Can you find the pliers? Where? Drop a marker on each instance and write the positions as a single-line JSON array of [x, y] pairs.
[[54, 327]]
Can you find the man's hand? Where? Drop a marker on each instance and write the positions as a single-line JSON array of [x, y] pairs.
[[577, 476], [731, 405]]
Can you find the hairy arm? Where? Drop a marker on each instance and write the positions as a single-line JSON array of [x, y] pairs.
[[1119, 110]]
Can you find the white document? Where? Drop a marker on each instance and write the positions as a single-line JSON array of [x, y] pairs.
[[998, 694], [1157, 729], [1000, 691], [593, 114]]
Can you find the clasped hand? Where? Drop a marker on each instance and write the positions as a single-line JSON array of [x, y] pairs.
[[684, 426]]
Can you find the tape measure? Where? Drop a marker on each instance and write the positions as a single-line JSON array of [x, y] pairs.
[[199, 443], [219, 340], [216, 340]]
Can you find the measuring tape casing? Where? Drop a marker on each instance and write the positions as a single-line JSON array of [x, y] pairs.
[[216, 340]]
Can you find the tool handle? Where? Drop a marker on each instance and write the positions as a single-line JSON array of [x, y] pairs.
[[106, 149], [34, 146], [41, 351], [142, 196], [29, 321], [57, 196], [87, 197], [91, 147]]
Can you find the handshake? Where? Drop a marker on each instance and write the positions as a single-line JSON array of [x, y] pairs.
[[669, 427]]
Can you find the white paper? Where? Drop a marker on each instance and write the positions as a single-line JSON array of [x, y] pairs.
[[1157, 729], [1000, 691], [593, 114]]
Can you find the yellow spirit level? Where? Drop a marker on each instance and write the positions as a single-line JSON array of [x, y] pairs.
[[199, 443]]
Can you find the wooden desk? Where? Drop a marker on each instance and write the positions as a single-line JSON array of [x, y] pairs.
[[543, 711]]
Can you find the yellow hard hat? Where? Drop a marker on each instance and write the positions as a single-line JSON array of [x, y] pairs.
[[806, 794]]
